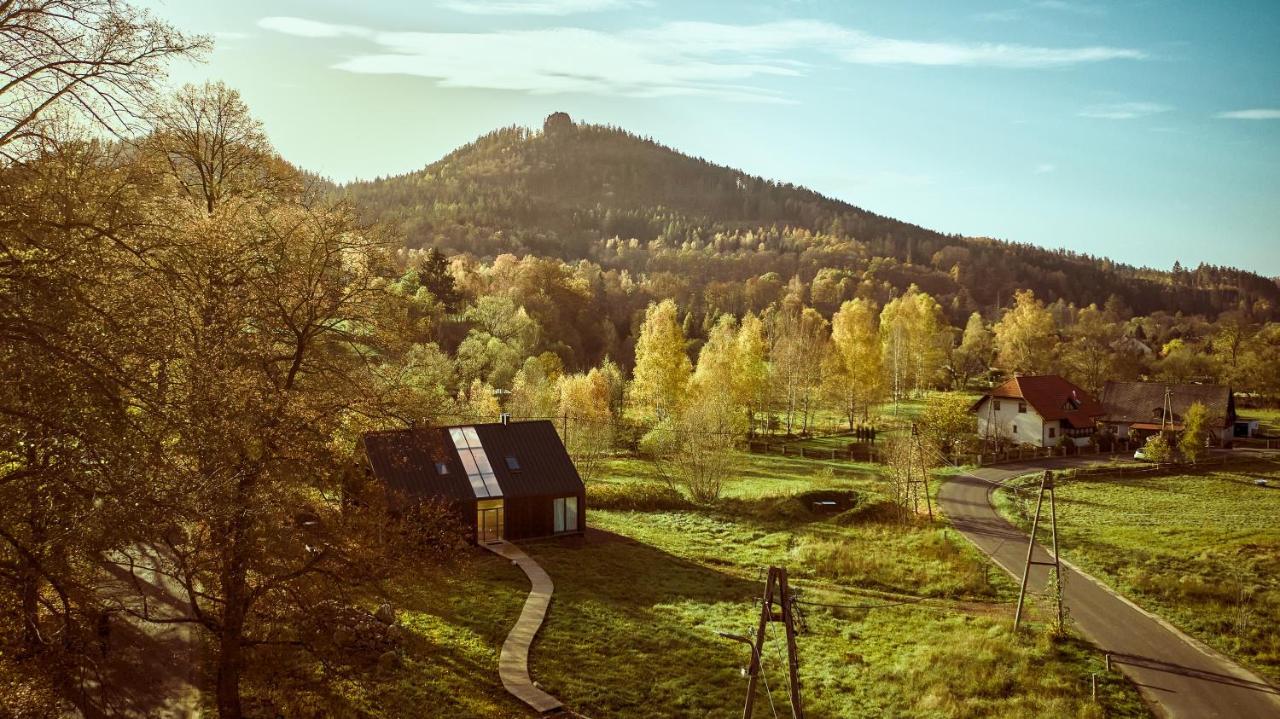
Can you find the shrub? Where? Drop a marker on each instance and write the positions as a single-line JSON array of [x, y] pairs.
[[634, 496]]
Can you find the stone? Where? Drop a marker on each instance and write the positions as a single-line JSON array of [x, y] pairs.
[[385, 614], [388, 660]]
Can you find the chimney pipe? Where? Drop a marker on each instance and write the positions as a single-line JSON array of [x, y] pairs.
[[504, 418]]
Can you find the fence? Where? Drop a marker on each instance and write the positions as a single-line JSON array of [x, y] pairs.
[[862, 452]]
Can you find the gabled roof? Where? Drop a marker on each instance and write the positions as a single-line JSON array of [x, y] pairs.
[[1144, 401], [1052, 397], [406, 460]]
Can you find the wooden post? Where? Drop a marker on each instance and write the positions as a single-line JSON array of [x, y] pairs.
[[777, 579], [753, 669], [1057, 566], [1031, 544]]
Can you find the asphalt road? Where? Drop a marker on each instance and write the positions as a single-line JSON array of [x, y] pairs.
[[1179, 677]]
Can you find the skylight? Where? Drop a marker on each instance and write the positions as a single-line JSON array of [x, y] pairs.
[[475, 462]]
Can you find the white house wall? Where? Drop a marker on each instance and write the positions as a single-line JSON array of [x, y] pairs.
[[1030, 425]]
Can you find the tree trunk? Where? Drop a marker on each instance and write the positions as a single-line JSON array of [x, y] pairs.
[[31, 606], [236, 607]]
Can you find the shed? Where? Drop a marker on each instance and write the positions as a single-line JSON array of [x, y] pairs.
[[1144, 408], [506, 480]]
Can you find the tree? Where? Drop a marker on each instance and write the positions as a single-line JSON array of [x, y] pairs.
[[947, 420], [1089, 357], [662, 368], [751, 370], [856, 340], [502, 336], [915, 341], [1157, 449], [1026, 336], [585, 406], [214, 147], [535, 392], [1194, 432], [101, 60], [973, 356]]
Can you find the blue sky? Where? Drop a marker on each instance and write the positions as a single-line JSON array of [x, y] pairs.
[[1143, 130]]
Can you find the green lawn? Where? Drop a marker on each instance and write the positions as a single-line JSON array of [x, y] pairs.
[[632, 628], [1269, 418], [1201, 550]]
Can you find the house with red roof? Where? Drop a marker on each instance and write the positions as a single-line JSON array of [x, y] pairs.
[[1038, 410]]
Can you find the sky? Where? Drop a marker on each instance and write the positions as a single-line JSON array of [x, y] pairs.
[[1146, 131]]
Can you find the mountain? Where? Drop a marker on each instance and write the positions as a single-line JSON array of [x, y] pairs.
[[577, 191]]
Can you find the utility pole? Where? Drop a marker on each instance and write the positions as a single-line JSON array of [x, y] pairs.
[[918, 445], [776, 590], [1046, 485]]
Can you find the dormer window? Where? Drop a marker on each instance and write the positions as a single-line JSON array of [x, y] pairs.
[[513, 464], [442, 468]]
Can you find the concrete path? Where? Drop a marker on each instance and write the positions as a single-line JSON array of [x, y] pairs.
[[142, 668], [1178, 675], [513, 662]]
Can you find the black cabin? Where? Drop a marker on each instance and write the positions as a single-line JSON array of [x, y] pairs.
[[507, 480]]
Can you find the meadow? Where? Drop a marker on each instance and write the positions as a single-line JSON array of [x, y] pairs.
[[1199, 548], [901, 621]]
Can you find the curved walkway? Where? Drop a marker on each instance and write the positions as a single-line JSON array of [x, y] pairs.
[[513, 662], [1177, 674]]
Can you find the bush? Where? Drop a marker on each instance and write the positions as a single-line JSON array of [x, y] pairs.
[[634, 496]]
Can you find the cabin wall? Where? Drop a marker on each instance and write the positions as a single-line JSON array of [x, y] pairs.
[[529, 517]]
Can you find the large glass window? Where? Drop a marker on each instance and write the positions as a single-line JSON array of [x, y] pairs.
[[475, 462], [565, 510]]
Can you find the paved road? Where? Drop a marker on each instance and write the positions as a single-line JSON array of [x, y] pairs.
[[1179, 677]]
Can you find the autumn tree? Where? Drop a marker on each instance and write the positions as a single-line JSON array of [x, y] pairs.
[[662, 369], [975, 353], [859, 373], [1026, 336], [1088, 359], [947, 420], [101, 61], [915, 341], [1195, 423], [751, 370], [588, 421]]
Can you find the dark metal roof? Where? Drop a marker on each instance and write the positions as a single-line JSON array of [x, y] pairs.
[[405, 460], [545, 467]]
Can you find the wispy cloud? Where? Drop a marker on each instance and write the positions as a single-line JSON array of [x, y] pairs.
[[537, 7], [303, 27], [1257, 113], [1045, 168], [1017, 13], [1075, 8], [1124, 110], [672, 59]]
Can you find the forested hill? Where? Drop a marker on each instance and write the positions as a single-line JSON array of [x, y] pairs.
[[576, 191]]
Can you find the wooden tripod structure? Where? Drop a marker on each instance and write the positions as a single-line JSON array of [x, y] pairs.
[[776, 591], [1046, 485], [918, 454]]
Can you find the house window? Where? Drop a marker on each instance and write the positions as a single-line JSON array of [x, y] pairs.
[[1053, 432], [1022, 408], [513, 464], [996, 402], [442, 469], [1013, 428], [566, 514]]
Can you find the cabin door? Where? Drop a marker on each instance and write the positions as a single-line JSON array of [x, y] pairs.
[[490, 522]]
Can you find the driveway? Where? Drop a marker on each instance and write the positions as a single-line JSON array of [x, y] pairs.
[[1179, 676]]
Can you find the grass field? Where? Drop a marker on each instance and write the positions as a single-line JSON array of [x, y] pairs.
[[923, 630], [1201, 550], [1269, 419]]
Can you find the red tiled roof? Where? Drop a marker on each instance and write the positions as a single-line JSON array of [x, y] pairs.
[[1052, 397]]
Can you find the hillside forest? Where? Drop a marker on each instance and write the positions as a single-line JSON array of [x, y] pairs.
[[194, 334]]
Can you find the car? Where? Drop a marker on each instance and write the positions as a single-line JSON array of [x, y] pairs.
[[1140, 456]]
